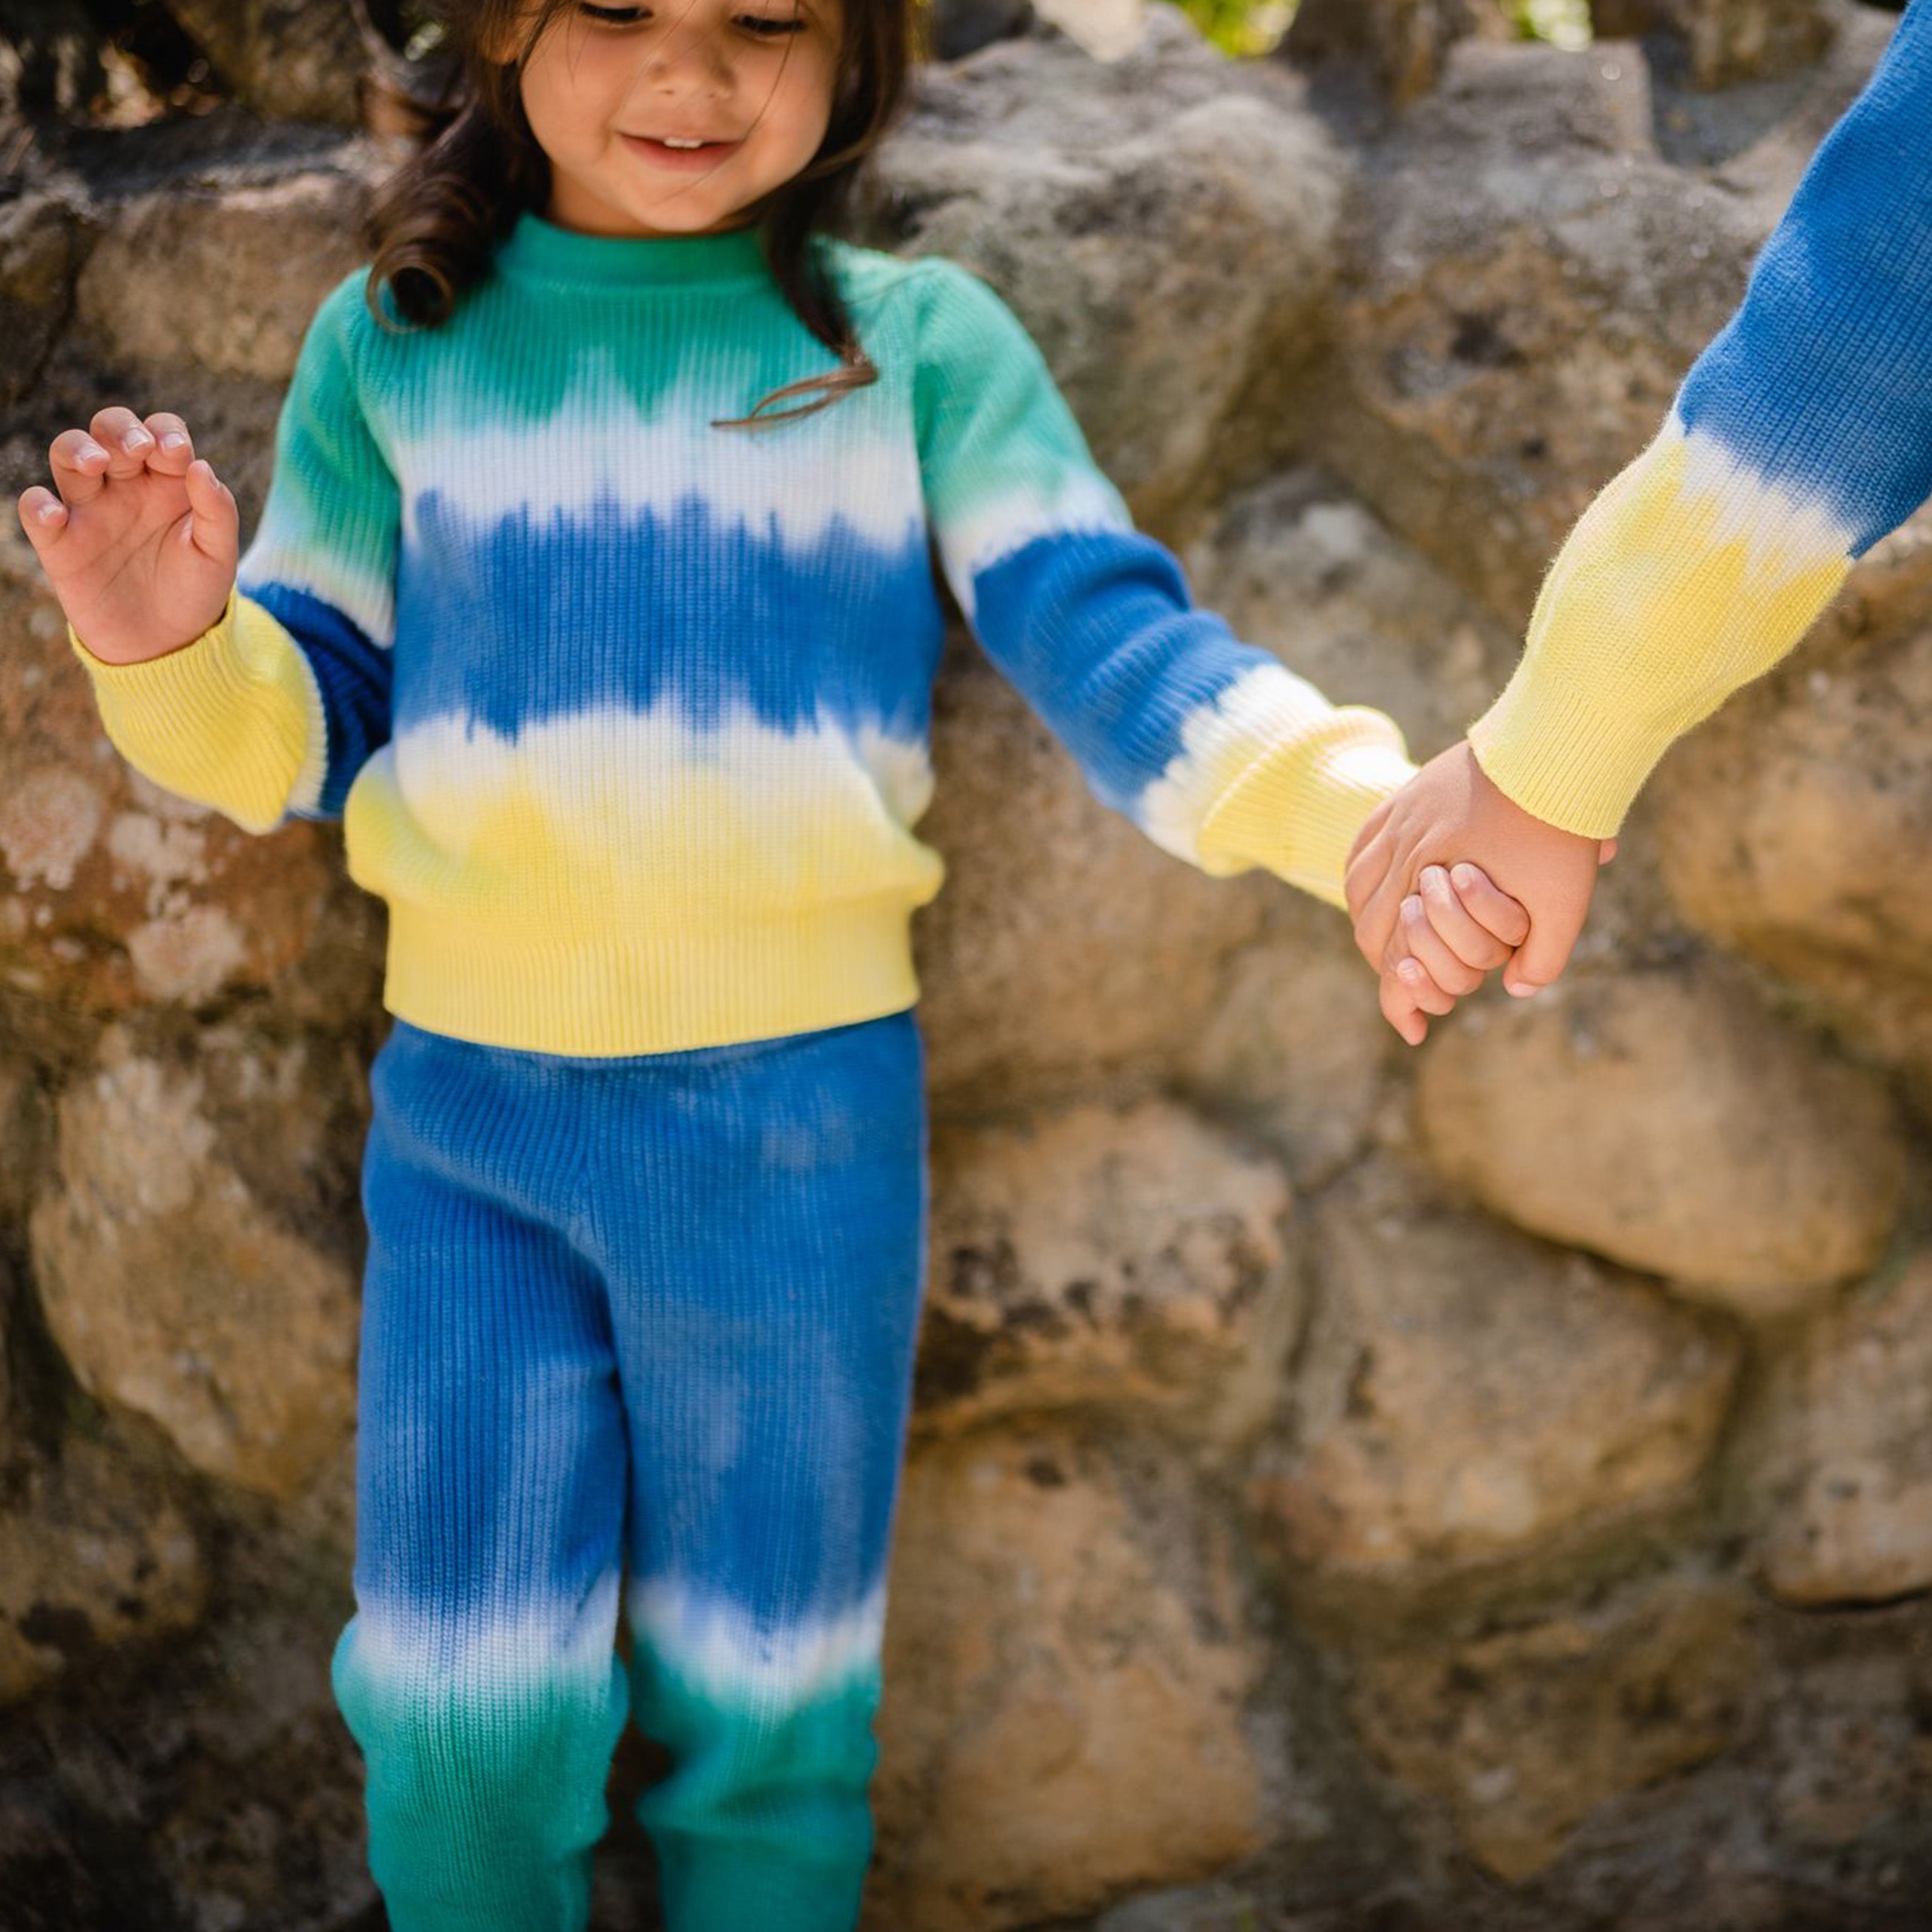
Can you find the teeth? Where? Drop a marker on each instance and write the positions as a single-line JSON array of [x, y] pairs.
[[670, 142]]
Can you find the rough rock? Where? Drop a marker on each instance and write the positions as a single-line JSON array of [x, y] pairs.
[[1842, 1471], [23, 1136], [1295, 1047], [159, 290], [1098, 1258], [168, 1276], [43, 240], [1502, 351], [1069, 1661], [1298, 564], [297, 60], [1403, 42], [93, 1553], [1524, 1731], [1851, 1758], [1749, 40], [1467, 1395], [1665, 1119], [961, 27], [1794, 828]]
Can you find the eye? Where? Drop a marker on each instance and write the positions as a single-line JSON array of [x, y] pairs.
[[766, 27], [612, 17]]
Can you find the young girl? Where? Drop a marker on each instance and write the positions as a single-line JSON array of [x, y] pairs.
[[592, 591]]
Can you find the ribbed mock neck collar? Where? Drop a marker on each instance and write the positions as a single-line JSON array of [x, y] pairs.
[[539, 249]]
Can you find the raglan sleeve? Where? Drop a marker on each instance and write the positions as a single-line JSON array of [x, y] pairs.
[[273, 709], [1801, 435], [1212, 746]]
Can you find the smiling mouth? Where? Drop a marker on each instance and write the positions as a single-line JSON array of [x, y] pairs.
[[678, 151]]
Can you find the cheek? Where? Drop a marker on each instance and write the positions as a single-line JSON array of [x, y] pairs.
[[802, 95], [564, 88]]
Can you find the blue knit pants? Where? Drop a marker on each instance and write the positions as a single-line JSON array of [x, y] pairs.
[[637, 1341]]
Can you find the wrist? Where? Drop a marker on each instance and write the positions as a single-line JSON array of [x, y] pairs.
[[116, 656]]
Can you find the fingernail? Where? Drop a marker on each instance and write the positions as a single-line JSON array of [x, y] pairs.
[[48, 512], [1429, 872], [173, 440], [1412, 907], [136, 439], [1465, 877], [1522, 990], [1410, 970], [90, 449]]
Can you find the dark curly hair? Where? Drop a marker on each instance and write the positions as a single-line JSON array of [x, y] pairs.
[[433, 226]]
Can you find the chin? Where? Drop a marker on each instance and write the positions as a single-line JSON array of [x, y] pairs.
[[689, 217]]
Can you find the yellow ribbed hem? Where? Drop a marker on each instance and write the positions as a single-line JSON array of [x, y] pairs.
[[223, 719], [1298, 814], [707, 984]]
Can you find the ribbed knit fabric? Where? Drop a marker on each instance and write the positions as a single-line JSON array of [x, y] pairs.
[[1801, 437], [626, 716], [638, 1340]]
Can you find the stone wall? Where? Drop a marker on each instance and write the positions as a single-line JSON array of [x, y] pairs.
[[1350, 1487]]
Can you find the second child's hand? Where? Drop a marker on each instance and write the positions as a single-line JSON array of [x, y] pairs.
[[1449, 812], [140, 542]]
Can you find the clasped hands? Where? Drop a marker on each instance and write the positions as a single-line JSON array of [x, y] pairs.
[[1450, 879]]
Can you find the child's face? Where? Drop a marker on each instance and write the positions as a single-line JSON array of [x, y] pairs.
[[608, 86]]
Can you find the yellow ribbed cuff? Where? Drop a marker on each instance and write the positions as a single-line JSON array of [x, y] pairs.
[[1297, 809], [1565, 757], [223, 720]]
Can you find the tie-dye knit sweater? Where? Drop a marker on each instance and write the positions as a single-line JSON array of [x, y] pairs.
[[626, 716], [1801, 436]]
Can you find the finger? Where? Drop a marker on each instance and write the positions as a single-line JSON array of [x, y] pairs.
[[1608, 852], [1399, 1010], [125, 436], [174, 448], [214, 520], [1553, 933], [1422, 990], [1376, 922], [1489, 905], [1465, 936], [1419, 941], [79, 465], [44, 517]]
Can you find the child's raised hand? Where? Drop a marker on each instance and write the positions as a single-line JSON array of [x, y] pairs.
[[141, 544]]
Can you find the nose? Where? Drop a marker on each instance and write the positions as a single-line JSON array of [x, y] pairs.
[[692, 58]]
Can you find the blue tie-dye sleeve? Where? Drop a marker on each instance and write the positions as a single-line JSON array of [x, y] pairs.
[[1821, 385], [323, 559], [1219, 753]]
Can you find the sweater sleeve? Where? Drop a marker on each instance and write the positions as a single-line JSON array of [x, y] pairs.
[[273, 709], [1801, 436], [1219, 753]]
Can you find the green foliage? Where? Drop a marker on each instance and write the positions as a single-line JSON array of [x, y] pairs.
[[1562, 22], [1241, 27], [1256, 26]]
